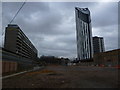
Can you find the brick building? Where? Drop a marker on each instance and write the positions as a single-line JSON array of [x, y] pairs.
[[108, 58]]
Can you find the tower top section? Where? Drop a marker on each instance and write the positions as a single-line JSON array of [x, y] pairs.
[[83, 10]]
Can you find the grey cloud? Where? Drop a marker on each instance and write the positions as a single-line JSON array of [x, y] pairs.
[[110, 43], [105, 15]]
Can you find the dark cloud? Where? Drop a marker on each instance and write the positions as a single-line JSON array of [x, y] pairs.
[[105, 15], [51, 26]]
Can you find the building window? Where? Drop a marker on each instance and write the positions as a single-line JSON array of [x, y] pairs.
[[78, 14]]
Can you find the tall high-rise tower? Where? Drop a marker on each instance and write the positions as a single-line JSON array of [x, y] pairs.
[[84, 33]]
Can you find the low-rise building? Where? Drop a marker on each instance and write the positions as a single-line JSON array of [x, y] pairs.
[[108, 58]]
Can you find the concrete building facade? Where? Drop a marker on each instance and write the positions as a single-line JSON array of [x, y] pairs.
[[98, 44], [17, 42], [83, 33]]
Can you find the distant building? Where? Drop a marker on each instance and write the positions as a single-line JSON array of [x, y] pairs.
[[17, 42], [84, 33], [98, 44]]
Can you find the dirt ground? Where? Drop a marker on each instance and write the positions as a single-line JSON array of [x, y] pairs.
[[65, 77]]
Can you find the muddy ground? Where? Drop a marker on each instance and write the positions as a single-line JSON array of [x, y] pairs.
[[65, 77]]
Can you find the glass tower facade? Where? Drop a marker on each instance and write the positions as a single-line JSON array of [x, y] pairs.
[[83, 33]]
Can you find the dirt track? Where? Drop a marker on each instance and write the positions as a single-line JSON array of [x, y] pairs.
[[65, 77]]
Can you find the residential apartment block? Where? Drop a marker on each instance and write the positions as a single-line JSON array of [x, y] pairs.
[[98, 44], [17, 42]]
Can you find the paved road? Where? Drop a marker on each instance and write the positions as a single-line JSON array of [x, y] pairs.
[[65, 77]]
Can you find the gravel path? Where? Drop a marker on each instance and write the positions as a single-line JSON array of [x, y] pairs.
[[65, 77]]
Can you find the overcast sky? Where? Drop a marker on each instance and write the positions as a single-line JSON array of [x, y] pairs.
[[51, 26]]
